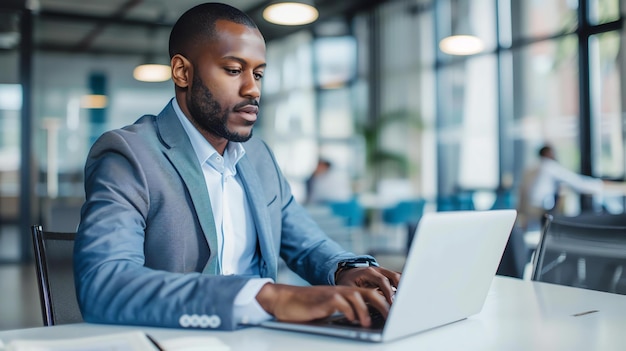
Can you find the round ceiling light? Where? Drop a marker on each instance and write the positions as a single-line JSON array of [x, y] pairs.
[[461, 45], [152, 73], [290, 13]]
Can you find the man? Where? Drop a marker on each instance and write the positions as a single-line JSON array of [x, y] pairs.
[[186, 213], [540, 187], [328, 184]]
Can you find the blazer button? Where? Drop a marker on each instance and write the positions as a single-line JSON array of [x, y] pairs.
[[205, 321], [194, 320], [214, 321], [184, 321]]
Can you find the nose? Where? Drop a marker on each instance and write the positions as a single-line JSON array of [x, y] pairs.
[[250, 87]]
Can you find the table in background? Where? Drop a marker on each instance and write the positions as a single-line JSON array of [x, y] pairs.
[[518, 315]]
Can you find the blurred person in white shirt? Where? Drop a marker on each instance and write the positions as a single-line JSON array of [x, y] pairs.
[[541, 185], [328, 184]]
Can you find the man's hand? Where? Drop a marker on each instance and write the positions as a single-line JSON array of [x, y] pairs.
[[371, 277], [301, 304]]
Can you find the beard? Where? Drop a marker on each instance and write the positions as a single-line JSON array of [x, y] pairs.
[[209, 116]]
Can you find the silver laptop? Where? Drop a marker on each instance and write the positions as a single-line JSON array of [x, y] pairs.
[[447, 275]]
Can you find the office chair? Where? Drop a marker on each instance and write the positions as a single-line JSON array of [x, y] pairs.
[[55, 276], [407, 214], [587, 251], [405, 211], [460, 201], [351, 211]]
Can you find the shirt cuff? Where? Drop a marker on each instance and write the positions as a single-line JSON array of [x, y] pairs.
[[246, 308]]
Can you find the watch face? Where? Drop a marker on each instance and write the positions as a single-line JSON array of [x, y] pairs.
[[359, 262]]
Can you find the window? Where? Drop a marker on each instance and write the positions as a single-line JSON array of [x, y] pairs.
[[605, 71]]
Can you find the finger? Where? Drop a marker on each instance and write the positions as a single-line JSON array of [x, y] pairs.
[[379, 280], [342, 304], [372, 278], [378, 302], [357, 301], [394, 277]]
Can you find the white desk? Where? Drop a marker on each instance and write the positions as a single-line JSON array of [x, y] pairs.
[[518, 315]]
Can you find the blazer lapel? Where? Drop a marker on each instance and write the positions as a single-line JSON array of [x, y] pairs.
[[258, 207], [180, 153]]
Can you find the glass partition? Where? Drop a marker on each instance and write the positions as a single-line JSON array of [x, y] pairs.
[[603, 11], [539, 19], [548, 109], [468, 134], [606, 70], [10, 140]]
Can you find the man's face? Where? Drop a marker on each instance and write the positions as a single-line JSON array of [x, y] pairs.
[[226, 87]]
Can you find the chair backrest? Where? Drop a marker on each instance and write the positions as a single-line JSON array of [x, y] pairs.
[[55, 276], [404, 212], [460, 201], [351, 211], [585, 251]]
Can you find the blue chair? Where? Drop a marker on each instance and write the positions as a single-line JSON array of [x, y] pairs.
[[407, 211], [461, 201], [505, 199], [351, 211]]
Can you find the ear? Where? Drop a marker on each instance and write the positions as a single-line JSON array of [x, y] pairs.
[[181, 70]]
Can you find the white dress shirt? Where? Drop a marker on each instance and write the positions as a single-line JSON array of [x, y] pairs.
[[236, 233], [550, 175]]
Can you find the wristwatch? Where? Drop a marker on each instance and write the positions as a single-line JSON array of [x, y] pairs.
[[357, 263]]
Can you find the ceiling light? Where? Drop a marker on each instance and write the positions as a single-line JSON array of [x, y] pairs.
[[461, 45], [93, 101], [290, 13], [152, 72]]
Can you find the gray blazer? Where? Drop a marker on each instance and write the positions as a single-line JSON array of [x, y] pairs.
[[145, 247]]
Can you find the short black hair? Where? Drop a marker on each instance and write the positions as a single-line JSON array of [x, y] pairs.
[[197, 25], [545, 150], [325, 162]]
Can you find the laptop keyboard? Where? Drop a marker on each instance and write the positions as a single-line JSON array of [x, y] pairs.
[[378, 320]]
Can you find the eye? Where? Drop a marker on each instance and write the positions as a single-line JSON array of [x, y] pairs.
[[258, 75], [233, 71]]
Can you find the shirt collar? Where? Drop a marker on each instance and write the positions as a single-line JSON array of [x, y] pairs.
[[203, 149]]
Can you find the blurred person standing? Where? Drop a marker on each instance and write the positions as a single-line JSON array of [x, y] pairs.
[[328, 184], [541, 184]]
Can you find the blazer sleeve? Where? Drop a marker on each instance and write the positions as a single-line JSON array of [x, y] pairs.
[[113, 284]]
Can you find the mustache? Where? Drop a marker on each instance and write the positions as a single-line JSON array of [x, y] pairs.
[[251, 102]]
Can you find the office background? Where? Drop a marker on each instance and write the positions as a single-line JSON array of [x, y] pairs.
[[365, 86]]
